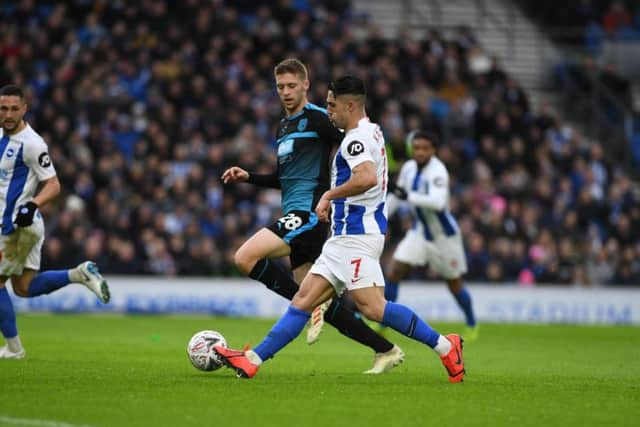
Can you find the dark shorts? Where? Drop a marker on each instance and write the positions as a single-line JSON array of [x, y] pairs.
[[304, 233]]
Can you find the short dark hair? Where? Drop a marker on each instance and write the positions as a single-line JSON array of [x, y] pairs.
[[12, 90], [423, 134], [293, 66], [348, 85]]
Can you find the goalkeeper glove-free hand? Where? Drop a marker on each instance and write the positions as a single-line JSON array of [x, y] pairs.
[[25, 214]]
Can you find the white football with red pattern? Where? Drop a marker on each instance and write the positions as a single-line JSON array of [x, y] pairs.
[[200, 350]]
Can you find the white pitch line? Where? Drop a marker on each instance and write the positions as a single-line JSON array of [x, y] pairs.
[[37, 423]]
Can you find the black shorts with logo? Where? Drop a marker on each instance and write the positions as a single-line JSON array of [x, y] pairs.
[[304, 233]]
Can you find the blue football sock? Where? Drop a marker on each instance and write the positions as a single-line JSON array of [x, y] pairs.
[[7, 315], [283, 332], [464, 301], [404, 320], [48, 281], [391, 291]]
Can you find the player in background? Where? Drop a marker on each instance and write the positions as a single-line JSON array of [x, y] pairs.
[[24, 165], [435, 238], [350, 258], [305, 140]]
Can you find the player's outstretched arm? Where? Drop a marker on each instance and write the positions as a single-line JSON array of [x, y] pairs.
[[237, 174], [435, 198]]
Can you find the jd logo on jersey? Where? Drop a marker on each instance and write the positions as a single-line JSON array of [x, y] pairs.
[[44, 160], [355, 147], [302, 125]]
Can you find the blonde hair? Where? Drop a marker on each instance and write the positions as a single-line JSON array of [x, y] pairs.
[[293, 66]]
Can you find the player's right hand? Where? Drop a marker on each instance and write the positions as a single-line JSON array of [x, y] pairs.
[[323, 209], [235, 174], [25, 214]]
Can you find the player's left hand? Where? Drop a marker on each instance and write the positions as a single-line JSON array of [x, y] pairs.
[[322, 209], [25, 214]]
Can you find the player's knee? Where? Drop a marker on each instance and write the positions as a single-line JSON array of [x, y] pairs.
[[396, 273], [372, 312], [302, 301], [21, 290], [455, 285], [371, 308], [393, 276], [244, 261]]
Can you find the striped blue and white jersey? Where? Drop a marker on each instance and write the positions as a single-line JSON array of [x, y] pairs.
[[428, 194], [24, 162], [363, 213]]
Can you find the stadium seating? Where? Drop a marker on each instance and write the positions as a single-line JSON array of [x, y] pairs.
[[144, 105]]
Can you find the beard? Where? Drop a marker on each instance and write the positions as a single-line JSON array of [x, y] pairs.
[[10, 127]]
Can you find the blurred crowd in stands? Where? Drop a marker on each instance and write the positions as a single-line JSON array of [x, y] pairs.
[[144, 104], [596, 88], [587, 22]]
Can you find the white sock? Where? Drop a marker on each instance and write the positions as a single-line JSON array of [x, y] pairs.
[[253, 357], [443, 347], [14, 344]]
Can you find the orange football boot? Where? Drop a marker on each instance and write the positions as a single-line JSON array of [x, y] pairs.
[[237, 360], [452, 361]]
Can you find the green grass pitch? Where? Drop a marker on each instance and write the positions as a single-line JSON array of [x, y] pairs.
[[133, 371]]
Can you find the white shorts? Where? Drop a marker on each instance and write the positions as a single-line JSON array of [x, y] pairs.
[[22, 248], [351, 262], [445, 255]]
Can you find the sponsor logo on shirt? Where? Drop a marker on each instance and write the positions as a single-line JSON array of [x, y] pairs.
[[355, 147], [44, 160]]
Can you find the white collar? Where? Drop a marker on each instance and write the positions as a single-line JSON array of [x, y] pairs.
[[361, 122]]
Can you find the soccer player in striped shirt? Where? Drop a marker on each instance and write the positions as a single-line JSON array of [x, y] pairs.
[[25, 165], [434, 239]]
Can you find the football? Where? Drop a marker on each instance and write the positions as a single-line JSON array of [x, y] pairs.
[[200, 350]]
